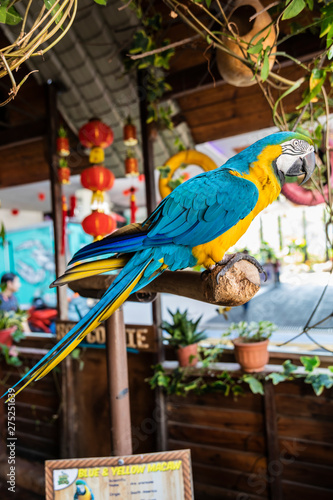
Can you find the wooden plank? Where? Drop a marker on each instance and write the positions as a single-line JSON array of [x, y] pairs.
[[47, 430], [300, 389], [236, 440], [307, 451], [35, 412], [23, 134], [38, 398], [309, 474], [248, 401], [293, 491], [37, 443], [229, 479], [206, 492], [273, 452], [222, 457], [24, 164], [228, 419], [305, 428], [32, 453], [318, 408]]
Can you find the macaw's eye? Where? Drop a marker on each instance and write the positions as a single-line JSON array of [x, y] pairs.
[[295, 143]]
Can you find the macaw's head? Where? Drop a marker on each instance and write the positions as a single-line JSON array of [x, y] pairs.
[[80, 487], [297, 156]]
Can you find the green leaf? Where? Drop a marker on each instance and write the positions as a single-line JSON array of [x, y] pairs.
[[255, 49], [265, 67], [208, 2], [276, 378], [310, 362], [288, 367], [316, 82], [10, 16], [293, 9], [76, 353], [319, 382], [254, 384], [310, 4], [100, 2], [49, 5], [330, 52], [287, 92]]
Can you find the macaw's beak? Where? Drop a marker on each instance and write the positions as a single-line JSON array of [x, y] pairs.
[[305, 165]]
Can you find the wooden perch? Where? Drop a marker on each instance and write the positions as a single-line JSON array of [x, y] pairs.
[[238, 285]]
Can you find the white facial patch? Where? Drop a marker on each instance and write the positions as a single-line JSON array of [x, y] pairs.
[[291, 150]]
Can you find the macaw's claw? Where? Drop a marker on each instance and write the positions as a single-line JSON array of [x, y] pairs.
[[229, 260]]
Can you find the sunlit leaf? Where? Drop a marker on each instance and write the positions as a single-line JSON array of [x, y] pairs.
[[265, 67], [293, 9], [310, 362], [255, 384], [10, 16]]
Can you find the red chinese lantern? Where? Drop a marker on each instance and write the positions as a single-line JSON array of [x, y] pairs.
[[95, 134], [130, 133], [97, 178], [98, 224]]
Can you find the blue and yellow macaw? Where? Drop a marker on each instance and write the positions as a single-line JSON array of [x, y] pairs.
[[83, 491], [194, 225]]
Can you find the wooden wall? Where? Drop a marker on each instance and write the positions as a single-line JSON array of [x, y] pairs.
[[239, 453], [37, 409], [39, 406]]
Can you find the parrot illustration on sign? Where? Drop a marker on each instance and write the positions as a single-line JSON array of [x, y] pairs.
[[83, 491], [194, 225]]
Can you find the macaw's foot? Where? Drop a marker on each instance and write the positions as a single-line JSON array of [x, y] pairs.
[[229, 260]]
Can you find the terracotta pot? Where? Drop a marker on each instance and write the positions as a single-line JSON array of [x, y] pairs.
[[231, 69], [252, 356], [184, 354], [6, 336]]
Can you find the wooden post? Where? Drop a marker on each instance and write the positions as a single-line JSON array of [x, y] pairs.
[[118, 384], [149, 169], [274, 465], [56, 195], [69, 410]]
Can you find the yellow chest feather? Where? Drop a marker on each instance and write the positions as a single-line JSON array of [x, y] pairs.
[[263, 176]]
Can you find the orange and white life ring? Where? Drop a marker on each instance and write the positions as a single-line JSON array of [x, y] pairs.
[[189, 157]]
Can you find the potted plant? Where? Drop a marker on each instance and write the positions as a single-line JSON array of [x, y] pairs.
[[251, 344], [184, 337], [11, 326]]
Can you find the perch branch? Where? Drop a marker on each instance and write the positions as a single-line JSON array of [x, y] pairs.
[[238, 285]]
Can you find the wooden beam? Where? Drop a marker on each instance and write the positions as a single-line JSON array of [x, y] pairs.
[[23, 134]]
